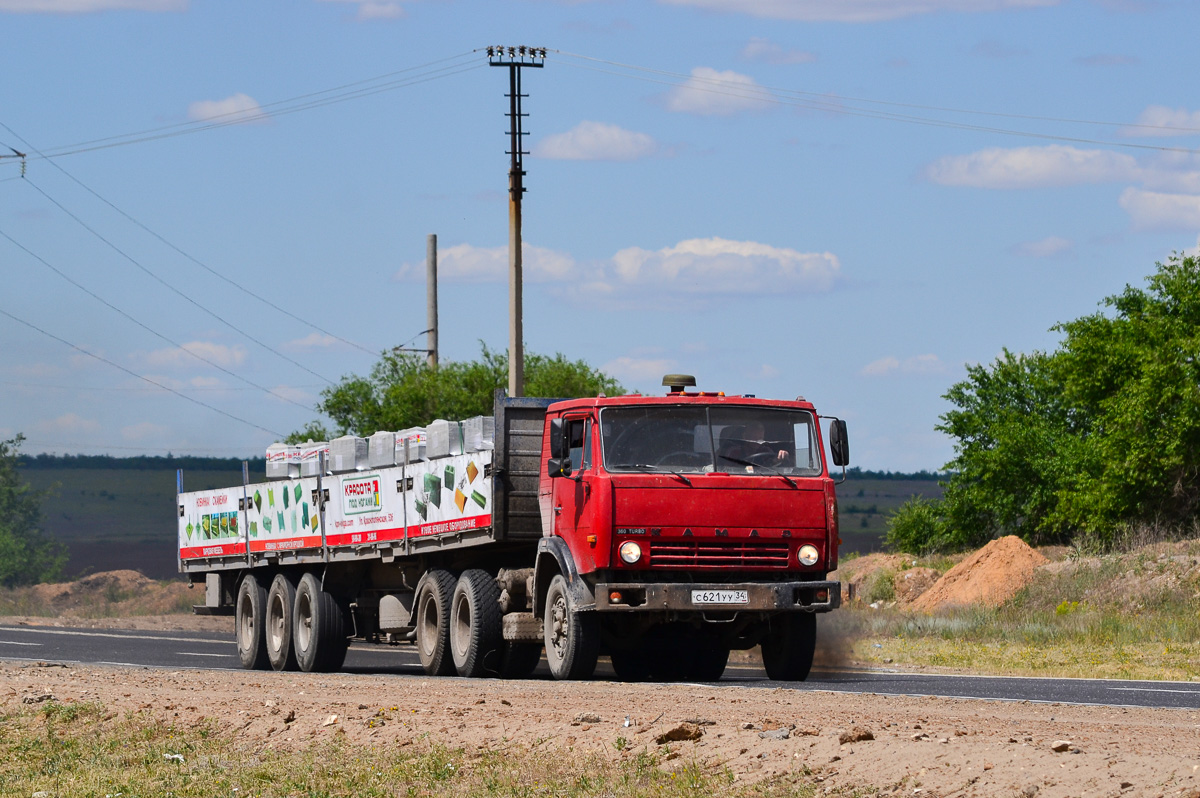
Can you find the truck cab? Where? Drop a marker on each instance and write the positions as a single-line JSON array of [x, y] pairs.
[[688, 525]]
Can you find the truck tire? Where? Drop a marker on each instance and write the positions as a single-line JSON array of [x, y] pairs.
[[319, 628], [631, 665], [433, 622], [708, 664], [518, 659], [250, 624], [281, 607], [787, 650], [572, 637], [475, 633]]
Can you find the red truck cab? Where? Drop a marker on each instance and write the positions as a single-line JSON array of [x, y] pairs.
[[687, 525]]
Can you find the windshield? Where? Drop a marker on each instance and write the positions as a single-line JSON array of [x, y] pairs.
[[735, 440]]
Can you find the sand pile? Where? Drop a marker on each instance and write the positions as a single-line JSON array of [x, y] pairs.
[[990, 576]]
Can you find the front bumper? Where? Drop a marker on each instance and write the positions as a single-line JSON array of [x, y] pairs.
[[768, 597]]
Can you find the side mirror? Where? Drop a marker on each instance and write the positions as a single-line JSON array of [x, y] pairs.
[[839, 444], [558, 467], [558, 438]]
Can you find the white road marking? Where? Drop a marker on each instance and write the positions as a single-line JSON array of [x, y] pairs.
[[198, 654], [1154, 690], [16, 643], [75, 633]]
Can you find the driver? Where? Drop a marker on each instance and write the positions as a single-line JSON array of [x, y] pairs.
[[754, 446]]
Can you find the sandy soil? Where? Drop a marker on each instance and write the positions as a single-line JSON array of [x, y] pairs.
[[900, 746]]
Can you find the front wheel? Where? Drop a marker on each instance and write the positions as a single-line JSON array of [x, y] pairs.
[[250, 627], [788, 648], [572, 637]]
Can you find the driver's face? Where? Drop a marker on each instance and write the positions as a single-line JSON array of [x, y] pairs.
[[754, 431]]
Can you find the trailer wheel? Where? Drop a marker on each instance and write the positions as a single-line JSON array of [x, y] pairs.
[[788, 649], [572, 637], [281, 606], [250, 624], [433, 622], [319, 629], [475, 623], [518, 659]]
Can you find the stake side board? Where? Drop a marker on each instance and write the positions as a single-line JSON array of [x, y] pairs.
[[365, 511]]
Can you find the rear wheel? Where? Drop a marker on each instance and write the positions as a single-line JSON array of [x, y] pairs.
[[281, 603], [475, 633], [572, 637], [319, 630], [250, 625], [788, 649], [519, 658], [433, 622]]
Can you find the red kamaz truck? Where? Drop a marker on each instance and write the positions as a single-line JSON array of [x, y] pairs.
[[661, 531]]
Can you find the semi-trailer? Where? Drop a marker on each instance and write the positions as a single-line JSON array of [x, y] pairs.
[[660, 531]]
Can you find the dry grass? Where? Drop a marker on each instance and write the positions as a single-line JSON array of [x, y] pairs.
[[80, 749], [1129, 615]]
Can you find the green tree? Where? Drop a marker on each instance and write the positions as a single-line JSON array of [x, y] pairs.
[[27, 555], [403, 391], [1092, 439]]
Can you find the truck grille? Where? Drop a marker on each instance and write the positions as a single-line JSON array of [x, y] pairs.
[[718, 554]]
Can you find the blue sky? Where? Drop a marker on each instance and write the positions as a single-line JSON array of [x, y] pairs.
[[848, 200]]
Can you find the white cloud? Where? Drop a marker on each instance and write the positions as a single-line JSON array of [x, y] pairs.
[[1158, 120], [143, 431], [853, 10], [314, 340], [237, 107], [466, 263], [89, 6], [596, 141], [69, 423], [1151, 210], [632, 369], [709, 92], [761, 49], [190, 354], [1032, 167], [1046, 248], [375, 9], [718, 265], [291, 394], [916, 365]]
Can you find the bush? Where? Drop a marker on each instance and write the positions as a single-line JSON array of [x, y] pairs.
[[918, 526]]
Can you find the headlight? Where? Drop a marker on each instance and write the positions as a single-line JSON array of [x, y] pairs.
[[807, 555], [630, 551]]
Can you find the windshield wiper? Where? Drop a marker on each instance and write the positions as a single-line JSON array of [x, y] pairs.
[[658, 470], [774, 469]]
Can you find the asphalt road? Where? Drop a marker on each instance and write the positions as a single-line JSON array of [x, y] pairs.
[[207, 650]]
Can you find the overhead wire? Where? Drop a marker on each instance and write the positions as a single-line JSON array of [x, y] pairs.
[[132, 373], [241, 289], [146, 327], [173, 289], [837, 104]]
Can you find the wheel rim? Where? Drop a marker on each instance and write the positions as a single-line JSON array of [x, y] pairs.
[[428, 628], [275, 623], [558, 625], [460, 630], [245, 621], [304, 622]]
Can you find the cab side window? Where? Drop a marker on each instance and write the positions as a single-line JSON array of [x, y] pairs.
[[576, 442]]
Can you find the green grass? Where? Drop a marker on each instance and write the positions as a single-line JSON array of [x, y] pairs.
[[83, 751]]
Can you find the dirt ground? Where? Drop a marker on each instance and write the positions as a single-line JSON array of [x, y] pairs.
[[895, 745]]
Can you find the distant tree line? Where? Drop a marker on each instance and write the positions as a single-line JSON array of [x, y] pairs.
[[913, 476], [105, 462]]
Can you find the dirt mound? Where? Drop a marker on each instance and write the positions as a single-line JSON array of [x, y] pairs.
[[990, 576], [108, 594], [911, 584], [859, 574]]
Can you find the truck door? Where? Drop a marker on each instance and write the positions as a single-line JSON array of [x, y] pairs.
[[572, 519]]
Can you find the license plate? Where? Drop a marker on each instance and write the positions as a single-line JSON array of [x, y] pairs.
[[720, 597]]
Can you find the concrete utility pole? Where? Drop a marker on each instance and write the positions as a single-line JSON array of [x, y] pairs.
[[516, 59], [431, 339]]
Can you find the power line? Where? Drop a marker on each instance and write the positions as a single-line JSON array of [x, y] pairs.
[[210, 270], [145, 327], [833, 103], [175, 290], [130, 388], [118, 366]]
